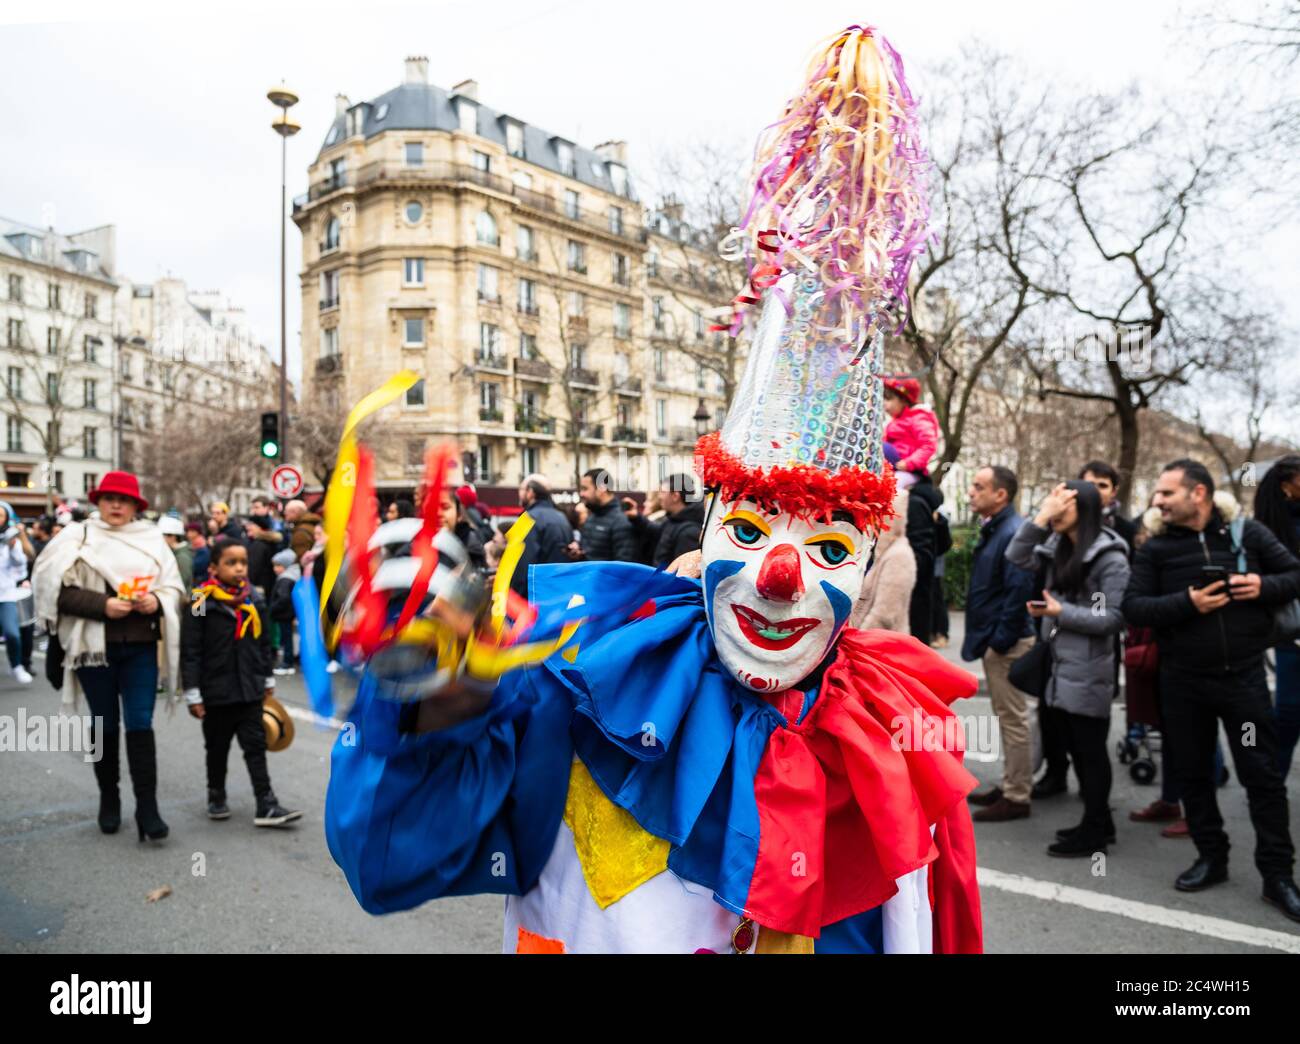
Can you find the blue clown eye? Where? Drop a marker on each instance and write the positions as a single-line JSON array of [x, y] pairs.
[[745, 533], [833, 553]]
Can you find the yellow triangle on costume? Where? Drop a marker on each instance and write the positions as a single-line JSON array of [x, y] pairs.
[[616, 854]]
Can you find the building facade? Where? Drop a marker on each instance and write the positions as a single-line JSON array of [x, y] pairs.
[[56, 324], [507, 267]]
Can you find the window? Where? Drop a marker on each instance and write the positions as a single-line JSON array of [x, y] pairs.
[[522, 178], [699, 326], [659, 364], [661, 417], [482, 161], [488, 396], [92, 306], [15, 287], [572, 204], [662, 464], [329, 289], [168, 378], [52, 341], [329, 342], [657, 313], [527, 346], [13, 435], [484, 462], [56, 296], [331, 234], [623, 415], [527, 297], [414, 212], [530, 457], [88, 394], [515, 140], [528, 405], [525, 243], [577, 257], [622, 319], [90, 348], [89, 481], [488, 288], [413, 271], [577, 303], [414, 153], [622, 367], [52, 391], [565, 151], [126, 367], [578, 356], [485, 228], [467, 115], [719, 417], [616, 220], [14, 336], [414, 331], [699, 376], [415, 393], [489, 340], [14, 382], [652, 264], [620, 269], [89, 442]]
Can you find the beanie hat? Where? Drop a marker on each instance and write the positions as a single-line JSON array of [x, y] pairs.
[[284, 558]]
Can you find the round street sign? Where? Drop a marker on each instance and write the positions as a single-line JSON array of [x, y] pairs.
[[286, 481]]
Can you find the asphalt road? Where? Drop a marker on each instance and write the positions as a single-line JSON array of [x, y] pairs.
[[66, 888]]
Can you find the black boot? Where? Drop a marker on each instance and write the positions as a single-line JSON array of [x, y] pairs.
[[1068, 832], [1282, 893], [141, 758], [1202, 874], [217, 807], [107, 774]]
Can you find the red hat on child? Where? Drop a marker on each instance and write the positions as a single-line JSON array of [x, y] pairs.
[[121, 482], [907, 387], [467, 496]]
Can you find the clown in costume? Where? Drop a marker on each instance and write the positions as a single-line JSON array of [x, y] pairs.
[[719, 764]]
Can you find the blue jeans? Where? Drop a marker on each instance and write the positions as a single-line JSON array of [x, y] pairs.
[[132, 676], [1287, 705], [13, 637]]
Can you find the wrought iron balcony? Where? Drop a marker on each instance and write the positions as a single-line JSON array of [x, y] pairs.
[[491, 361], [528, 421], [577, 375], [538, 368], [627, 385], [485, 414], [585, 431], [624, 434]]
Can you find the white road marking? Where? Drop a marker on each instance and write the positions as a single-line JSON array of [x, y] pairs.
[[1201, 924]]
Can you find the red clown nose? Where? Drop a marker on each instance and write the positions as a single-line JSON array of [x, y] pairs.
[[779, 578]]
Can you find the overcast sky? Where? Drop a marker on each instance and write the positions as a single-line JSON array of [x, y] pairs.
[[158, 122]]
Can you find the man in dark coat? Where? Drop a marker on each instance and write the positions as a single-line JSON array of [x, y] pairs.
[[680, 531], [998, 632], [1209, 589], [607, 535], [550, 535], [263, 543]]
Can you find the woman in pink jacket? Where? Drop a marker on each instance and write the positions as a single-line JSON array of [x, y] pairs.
[[914, 430]]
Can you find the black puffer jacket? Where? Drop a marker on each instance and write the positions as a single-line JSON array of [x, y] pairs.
[[1229, 639], [261, 550], [545, 543], [680, 534], [223, 668], [608, 536]]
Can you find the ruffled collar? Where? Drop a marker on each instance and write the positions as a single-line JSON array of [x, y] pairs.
[[795, 825]]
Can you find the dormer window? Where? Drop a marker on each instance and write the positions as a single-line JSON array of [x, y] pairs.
[[467, 114], [381, 112], [514, 139], [565, 151]]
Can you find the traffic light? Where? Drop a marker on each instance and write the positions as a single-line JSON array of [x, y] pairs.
[[270, 435]]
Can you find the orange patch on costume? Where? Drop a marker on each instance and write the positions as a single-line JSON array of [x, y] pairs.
[[531, 942]]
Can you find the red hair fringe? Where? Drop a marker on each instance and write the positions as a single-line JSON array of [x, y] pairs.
[[804, 491]]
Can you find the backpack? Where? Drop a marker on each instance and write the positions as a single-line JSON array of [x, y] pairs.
[[1286, 617]]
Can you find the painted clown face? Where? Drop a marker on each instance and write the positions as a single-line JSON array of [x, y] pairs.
[[778, 590]]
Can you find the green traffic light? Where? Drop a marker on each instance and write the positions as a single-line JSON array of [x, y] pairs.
[[270, 449]]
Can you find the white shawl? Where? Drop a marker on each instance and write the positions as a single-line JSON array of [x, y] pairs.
[[91, 554]]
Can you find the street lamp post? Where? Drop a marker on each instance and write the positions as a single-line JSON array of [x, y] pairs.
[[701, 418], [284, 99]]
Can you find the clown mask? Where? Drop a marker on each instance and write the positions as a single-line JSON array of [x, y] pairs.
[[778, 590]]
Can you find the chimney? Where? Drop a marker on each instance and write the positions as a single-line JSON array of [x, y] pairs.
[[417, 69], [672, 208], [613, 152], [467, 88], [341, 104]]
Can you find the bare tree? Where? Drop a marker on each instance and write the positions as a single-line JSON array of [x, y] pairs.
[[1138, 318], [204, 453]]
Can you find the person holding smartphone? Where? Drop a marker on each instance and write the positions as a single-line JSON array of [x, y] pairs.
[[1212, 633], [15, 553], [1086, 570]]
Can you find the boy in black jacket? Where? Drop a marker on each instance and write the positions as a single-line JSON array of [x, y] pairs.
[[226, 672]]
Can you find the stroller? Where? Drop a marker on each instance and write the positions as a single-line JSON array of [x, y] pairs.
[[1141, 742]]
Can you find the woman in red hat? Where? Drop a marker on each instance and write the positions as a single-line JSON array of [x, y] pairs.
[[109, 587], [914, 429]]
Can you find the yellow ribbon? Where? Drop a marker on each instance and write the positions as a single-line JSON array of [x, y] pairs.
[[343, 483]]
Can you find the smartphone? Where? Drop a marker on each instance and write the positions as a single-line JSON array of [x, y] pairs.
[[1037, 605], [1212, 574]]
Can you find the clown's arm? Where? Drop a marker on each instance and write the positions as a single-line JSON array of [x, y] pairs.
[[473, 807]]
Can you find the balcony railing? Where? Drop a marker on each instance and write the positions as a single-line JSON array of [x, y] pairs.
[[328, 364], [585, 431], [487, 414], [397, 173], [577, 375], [538, 368], [682, 433], [529, 258], [627, 385], [625, 434], [485, 297], [491, 361], [528, 308], [328, 302], [531, 422], [581, 269]]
